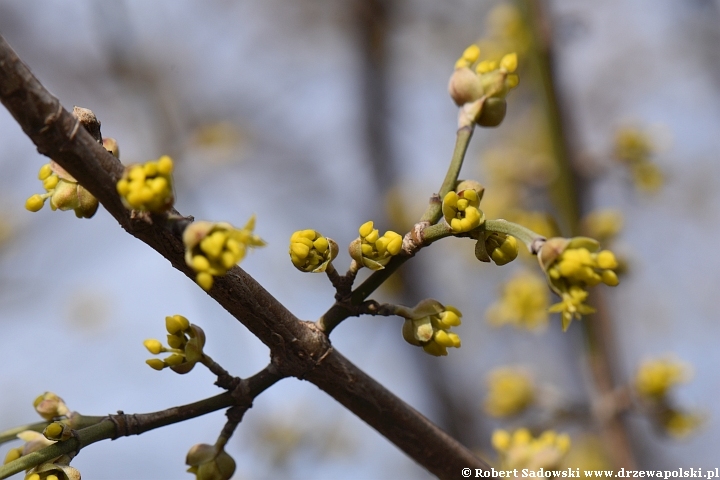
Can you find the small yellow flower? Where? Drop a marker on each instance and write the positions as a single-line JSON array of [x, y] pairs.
[[523, 303], [502, 248], [50, 406], [428, 325], [311, 252], [603, 225], [63, 191], [148, 187], [680, 424], [510, 391], [656, 377], [210, 462], [185, 344], [211, 249], [58, 469], [520, 450], [373, 251], [635, 148], [572, 266], [461, 210]]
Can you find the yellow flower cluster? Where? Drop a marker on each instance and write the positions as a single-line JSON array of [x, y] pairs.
[[373, 251], [428, 326], [510, 391], [311, 252], [211, 249], [148, 187], [656, 377], [186, 342], [635, 148], [461, 210], [63, 191], [523, 303], [572, 266], [481, 91], [520, 450]]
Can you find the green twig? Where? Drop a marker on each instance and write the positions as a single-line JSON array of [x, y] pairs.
[[533, 241], [434, 210], [120, 425]]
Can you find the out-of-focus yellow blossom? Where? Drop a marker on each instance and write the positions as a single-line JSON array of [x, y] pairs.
[[311, 252], [520, 450], [506, 31], [680, 424], [519, 165], [635, 148], [655, 377], [211, 249], [587, 453], [50, 406], [603, 225], [480, 91], [510, 391], [148, 187], [461, 210], [186, 342], [572, 266], [373, 251], [34, 441], [63, 191], [523, 303], [210, 462], [428, 325]]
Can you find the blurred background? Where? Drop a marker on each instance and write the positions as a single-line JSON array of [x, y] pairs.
[[323, 115]]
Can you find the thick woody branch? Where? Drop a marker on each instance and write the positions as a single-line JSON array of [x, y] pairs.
[[298, 348]]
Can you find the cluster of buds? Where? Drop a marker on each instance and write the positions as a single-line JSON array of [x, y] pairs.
[[185, 341], [148, 187], [210, 462], [50, 407], [428, 325], [211, 249], [498, 247], [311, 252], [461, 210], [520, 450], [373, 251], [523, 303], [510, 391], [653, 382], [480, 91], [571, 267], [63, 191]]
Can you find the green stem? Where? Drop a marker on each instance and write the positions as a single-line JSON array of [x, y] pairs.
[[78, 421], [434, 210], [525, 235], [120, 425]]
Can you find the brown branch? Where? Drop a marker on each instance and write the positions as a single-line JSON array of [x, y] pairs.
[[298, 348]]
